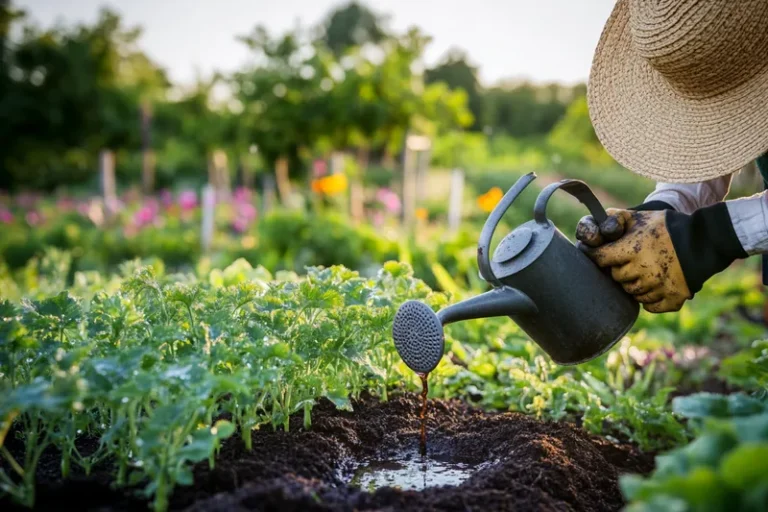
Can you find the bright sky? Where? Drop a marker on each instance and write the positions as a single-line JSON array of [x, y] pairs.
[[537, 39]]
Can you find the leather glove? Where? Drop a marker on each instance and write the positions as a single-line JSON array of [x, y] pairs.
[[660, 256]]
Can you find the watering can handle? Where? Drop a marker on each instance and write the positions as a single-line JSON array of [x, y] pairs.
[[484, 243], [577, 189]]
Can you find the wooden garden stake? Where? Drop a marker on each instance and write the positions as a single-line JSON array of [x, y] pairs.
[[283, 182], [456, 200], [108, 185], [209, 210], [147, 155], [268, 200]]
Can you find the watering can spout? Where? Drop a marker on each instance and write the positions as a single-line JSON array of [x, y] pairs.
[[502, 301]]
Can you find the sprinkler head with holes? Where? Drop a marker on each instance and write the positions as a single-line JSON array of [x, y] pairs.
[[418, 335]]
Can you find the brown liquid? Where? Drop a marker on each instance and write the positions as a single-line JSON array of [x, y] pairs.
[[423, 414]]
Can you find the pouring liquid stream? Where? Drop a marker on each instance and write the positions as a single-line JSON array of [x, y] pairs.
[[423, 413]]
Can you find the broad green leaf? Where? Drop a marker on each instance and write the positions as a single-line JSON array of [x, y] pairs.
[[184, 476], [746, 466], [341, 401], [701, 405], [752, 428], [222, 429]]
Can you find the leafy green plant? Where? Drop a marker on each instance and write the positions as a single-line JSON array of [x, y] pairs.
[[163, 367], [150, 368], [724, 468]]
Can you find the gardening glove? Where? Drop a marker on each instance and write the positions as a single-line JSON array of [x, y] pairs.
[[663, 257], [589, 233]]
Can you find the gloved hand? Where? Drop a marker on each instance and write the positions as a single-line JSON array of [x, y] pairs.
[[660, 256]]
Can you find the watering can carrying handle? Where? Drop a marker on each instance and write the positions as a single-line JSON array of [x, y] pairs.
[[484, 243], [577, 189]]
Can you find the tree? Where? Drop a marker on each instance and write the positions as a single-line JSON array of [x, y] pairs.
[[457, 73], [526, 109], [188, 129], [574, 136], [70, 92], [352, 25]]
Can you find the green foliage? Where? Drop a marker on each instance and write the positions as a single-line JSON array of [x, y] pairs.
[[748, 368], [151, 363], [457, 73], [351, 25], [151, 367], [298, 240], [724, 468], [574, 137], [67, 93], [526, 110]]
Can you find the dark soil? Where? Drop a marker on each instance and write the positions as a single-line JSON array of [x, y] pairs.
[[537, 465]]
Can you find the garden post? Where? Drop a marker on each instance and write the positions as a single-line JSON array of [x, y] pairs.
[[283, 180], [108, 185], [409, 193], [147, 155], [209, 210], [268, 201], [456, 200]]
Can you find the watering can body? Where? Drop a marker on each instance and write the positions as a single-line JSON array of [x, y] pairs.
[[563, 301]]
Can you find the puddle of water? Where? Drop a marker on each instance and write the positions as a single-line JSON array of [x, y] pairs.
[[411, 472]]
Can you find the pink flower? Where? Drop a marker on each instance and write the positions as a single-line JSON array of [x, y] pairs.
[[26, 200], [389, 199], [188, 200], [146, 215], [240, 225], [319, 168], [6, 217], [166, 197], [153, 204], [247, 211], [33, 218], [83, 208], [65, 204], [242, 194]]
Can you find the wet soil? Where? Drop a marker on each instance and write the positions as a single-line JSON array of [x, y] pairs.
[[528, 465]]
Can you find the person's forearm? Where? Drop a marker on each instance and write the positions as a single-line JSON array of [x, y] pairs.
[[749, 216]]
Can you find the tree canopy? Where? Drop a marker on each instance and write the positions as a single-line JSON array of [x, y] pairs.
[[348, 83]]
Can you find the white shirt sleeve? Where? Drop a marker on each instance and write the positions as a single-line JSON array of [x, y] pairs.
[[689, 197], [750, 221], [749, 215]]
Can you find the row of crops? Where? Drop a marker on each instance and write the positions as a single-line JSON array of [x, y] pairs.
[[160, 369]]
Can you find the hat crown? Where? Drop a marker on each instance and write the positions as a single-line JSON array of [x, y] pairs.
[[701, 47]]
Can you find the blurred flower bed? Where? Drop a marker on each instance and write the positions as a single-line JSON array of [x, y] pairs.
[[167, 226]]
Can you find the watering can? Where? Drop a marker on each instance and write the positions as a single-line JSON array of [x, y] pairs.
[[560, 298]]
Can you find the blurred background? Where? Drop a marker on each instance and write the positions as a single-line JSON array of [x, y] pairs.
[[292, 133]]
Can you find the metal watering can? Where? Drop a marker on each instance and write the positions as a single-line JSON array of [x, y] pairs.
[[563, 301]]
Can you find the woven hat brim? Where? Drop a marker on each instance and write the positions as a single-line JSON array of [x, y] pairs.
[[650, 129]]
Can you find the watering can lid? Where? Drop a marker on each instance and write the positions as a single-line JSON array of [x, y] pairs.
[[521, 247]]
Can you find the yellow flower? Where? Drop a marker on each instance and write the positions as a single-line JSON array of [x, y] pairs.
[[421, 213], [330, 185], [488, 201], [248, 242]]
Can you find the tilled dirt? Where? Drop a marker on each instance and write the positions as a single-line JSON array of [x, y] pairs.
[[535, 465]]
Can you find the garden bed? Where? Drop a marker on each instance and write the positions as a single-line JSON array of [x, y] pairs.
[[518, 463]]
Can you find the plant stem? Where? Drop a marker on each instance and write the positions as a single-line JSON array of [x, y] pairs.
[[11, 461]]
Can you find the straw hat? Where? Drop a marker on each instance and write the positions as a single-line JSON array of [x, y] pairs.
[[678, 89]]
